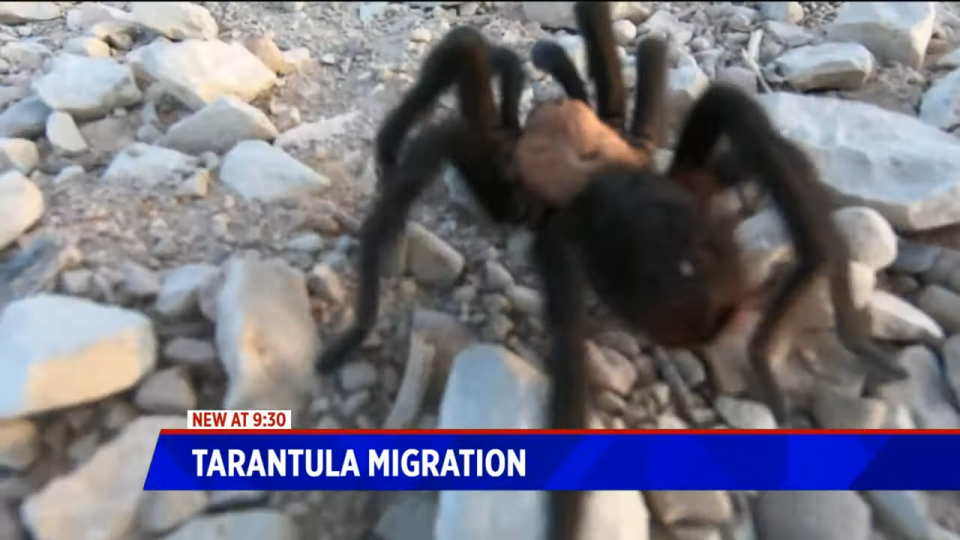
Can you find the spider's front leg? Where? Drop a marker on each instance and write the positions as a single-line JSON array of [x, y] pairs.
[[568, 403]]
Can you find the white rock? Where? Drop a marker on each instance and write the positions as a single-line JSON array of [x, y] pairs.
[[62, 351], [63, 134], [18, 154], [265, 335], [24, 12], [667, 24], [898, 165], [550, 14], [430, 259], [260, 171], [218, 127], [179, 293], [176, 20], [791, 12], [624, 32], [306, 135], [804, 515], [199, 72], [895, 319], [245, 525], [941, 102], [25, 118], [87, 46], [149, 165], [25, 54], [87, 14], [489, 388], [87, 87], [870, 238], [21, 205], [893, 31], [831, 66], [100, 499]]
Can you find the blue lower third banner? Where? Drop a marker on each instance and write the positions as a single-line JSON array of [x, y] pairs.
[[439, 460]]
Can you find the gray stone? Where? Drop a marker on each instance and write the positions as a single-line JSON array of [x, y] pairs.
[[217, 127], [176, 20], [147, 165], [100, 499], [25, 118], [804, 515], [245, 525], [62, 351], [893, 31], [265, 334], [87, 87], [830, 66], [941, 102], [25, 12], [490, 388], [260, 171], [198, 72], [896, 164]]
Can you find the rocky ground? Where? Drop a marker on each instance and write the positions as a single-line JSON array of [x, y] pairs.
[[181, 184]]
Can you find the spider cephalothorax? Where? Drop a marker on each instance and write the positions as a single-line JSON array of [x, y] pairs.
[[649, 244]]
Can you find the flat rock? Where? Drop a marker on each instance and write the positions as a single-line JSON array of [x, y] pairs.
[[87, 87], [99, 499], [149, 165], [25, 12], [830, 66], [199, 72], [804, 515], [258, 170], [218, 127], [25, 118], [893, 31], [246, 525], [87, 14], [21, 205], [898, 165], [61, 351], [265, 334], [489, 388], [176, 20]]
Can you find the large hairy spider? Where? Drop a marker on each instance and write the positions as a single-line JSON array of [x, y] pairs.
[[649, 244]]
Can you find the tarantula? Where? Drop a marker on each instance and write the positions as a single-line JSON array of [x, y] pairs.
[[650, 245]]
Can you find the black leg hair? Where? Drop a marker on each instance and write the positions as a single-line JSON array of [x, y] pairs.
[[550, 57], [649, 97], [507, 65], [596, 26], [461, 56], [791, 179], [564, 313], [429, 149]]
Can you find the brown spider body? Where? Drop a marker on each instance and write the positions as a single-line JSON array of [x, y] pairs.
[[648, 243]]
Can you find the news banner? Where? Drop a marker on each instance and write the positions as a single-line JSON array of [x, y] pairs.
[[259, 450]]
